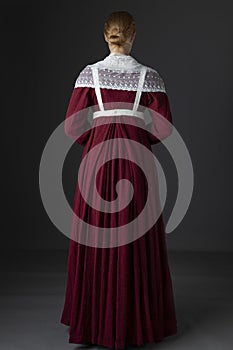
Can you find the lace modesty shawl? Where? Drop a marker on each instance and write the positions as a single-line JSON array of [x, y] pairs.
[[120, 72]]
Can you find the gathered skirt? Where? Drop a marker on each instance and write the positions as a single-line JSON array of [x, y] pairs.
[[117, 295]]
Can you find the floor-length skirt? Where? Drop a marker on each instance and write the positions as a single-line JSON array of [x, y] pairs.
[[117, 295]]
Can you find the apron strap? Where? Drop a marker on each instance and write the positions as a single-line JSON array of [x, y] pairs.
[[139, 88], [97, 87]]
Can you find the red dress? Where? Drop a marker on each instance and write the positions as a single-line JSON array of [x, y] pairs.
[[118, 295]]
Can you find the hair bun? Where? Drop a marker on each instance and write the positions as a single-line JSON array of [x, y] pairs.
[[117, 38]]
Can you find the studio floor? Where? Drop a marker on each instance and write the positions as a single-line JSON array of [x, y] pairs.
[[33, 288]]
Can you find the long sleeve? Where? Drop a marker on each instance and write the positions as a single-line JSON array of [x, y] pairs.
[[160, 113], [77, 125]]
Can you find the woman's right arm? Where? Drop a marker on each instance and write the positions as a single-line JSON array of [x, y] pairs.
[[161, 124]]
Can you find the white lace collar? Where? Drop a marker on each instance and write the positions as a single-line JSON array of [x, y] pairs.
[[119, 61], [120, 72]]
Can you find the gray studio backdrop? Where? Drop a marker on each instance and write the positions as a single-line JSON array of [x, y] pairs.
[[189, 43]]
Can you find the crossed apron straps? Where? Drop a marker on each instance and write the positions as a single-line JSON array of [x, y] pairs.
[[138, 94]]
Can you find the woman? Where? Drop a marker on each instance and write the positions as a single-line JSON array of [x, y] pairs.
[[117, 294]]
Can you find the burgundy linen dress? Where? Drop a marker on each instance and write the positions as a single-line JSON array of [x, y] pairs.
[[118, 295]]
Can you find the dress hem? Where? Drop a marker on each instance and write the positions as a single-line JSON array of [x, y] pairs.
[[117, 344]]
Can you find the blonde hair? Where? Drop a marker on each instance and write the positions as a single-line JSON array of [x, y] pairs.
[[119, 27]]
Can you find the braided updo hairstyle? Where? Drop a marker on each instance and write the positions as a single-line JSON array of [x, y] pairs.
[[119, 27]]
